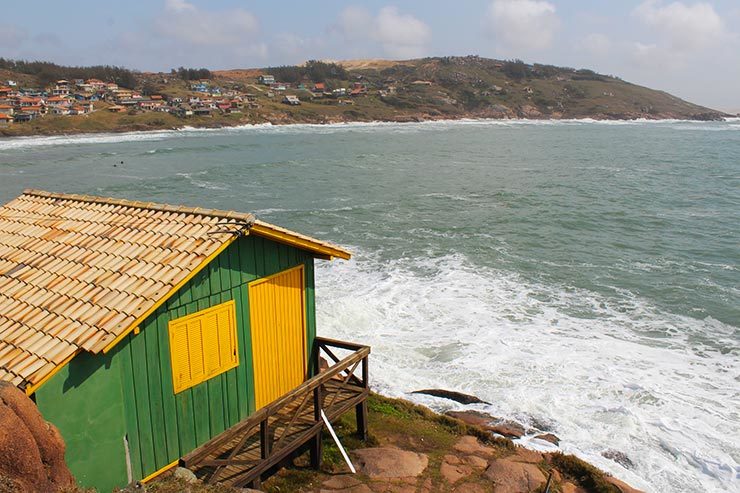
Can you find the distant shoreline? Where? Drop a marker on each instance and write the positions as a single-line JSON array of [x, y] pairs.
[[124, 129]]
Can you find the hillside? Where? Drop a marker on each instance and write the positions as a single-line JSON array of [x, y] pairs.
[[480, 87], [361, 90]]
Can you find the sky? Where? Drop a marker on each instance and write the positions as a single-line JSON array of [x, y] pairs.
[[686, 47]]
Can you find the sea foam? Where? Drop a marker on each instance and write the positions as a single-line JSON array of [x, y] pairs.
[[600, 384], [331, 128]]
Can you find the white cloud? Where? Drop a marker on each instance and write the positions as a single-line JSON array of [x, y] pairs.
[[183, 34], [12, 36], [402, 35], [685, 27], [399, 35], [596, 44], [178, 6], [355, 23], [186, 23], [527, 25]]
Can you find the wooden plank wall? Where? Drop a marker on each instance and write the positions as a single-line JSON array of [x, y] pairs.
[[163, 426]]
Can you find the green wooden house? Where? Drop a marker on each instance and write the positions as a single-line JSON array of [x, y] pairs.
[[142, 330]]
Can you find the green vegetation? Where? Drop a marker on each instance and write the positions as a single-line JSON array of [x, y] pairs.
[[311, 71], [588, 476], [48, 72], [192, 73]]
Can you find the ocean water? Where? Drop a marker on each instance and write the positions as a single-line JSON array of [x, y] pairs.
[[581, 276]]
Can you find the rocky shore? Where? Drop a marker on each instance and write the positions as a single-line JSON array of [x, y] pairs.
[[411, 449], [415, 450]]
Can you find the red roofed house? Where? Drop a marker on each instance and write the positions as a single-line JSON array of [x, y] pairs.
[[29, 101]]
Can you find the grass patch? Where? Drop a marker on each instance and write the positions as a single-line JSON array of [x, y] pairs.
[[586, 475]]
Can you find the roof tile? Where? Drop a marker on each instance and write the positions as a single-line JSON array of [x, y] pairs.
[[77, 272]]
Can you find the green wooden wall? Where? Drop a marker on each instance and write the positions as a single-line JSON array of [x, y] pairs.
[[160, 426], [84, 400]]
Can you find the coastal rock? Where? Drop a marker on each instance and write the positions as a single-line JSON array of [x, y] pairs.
[[499, 111], [341, 482], [622, 486], [185, 474], [618, 457], [389, 462], [471, 417], [452, 395], [549, 437], [470, 488], [470, 445], [529, 111], [571, 488], [509, 429], [405, 485], [31, 450], [527, 456], [452, 459], [514, 477], [476, 462], [452, 473]]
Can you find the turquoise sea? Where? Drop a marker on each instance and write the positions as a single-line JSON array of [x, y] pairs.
[[580, 275]]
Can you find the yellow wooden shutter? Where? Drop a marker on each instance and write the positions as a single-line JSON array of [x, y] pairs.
[[203, 345]]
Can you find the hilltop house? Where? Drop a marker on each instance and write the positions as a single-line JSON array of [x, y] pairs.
[[266, 79], [20, 117], [60, 89], [291, 100], [144, 331]]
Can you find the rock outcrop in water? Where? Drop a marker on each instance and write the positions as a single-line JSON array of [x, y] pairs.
[[452, 395]]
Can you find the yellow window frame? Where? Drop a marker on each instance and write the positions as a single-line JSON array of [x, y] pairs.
[[203, 345]]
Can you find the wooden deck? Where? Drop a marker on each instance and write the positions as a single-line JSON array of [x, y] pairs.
[[251, 450]]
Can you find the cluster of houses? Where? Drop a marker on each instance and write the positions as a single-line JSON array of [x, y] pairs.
[[77, 97], [19, 104], [203, 103], [314, 91]]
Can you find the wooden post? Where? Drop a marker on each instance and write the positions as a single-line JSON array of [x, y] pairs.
[[316, 442], [265, 445], [365, 373], [315, 357], [361, 408], [361, 415]]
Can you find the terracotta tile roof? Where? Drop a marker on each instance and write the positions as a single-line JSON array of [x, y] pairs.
[[78, 273]]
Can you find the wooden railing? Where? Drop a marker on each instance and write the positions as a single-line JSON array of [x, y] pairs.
[[251, 450]]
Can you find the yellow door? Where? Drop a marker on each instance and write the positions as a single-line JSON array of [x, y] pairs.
[[277, 320]]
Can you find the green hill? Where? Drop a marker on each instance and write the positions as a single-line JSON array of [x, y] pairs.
[[411, 90]]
